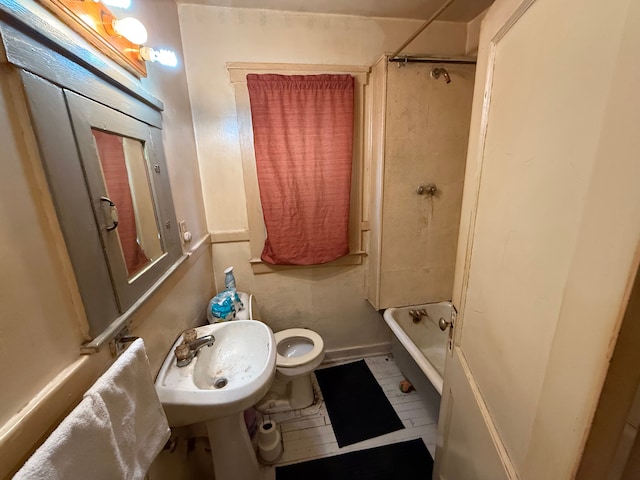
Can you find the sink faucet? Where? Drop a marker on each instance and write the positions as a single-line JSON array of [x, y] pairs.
[[190, 347]]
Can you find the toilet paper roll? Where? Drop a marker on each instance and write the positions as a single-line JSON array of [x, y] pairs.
[[269, 441]]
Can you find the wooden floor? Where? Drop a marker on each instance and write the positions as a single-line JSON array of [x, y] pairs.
[[307, 433]]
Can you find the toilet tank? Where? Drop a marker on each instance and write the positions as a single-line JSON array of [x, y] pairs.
[[250, 310]]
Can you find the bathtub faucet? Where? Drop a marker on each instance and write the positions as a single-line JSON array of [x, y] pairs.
[[416, 315]]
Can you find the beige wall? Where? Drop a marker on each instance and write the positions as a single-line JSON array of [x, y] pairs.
[[473, 34], [41, 370], [170, 86], [329, 300]]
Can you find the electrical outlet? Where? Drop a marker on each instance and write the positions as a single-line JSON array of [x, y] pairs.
[[185, 235]]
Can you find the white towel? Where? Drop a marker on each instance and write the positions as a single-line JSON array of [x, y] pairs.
[[114, 433]]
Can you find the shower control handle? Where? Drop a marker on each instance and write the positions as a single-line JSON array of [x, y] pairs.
[[443, 324], [429, 189]]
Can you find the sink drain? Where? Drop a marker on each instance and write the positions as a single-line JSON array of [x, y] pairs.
[[220, 382]]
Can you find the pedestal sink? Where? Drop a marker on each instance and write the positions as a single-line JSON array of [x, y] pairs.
[[217, 386]]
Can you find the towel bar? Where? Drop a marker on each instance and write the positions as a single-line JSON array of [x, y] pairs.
[[121, 341]]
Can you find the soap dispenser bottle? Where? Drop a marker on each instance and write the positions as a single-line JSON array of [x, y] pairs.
[[229, 279]]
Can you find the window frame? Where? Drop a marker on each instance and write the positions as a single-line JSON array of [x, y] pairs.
[[256, 234]]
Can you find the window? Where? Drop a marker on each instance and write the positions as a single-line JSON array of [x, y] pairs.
[[303, 142], [357, 225]]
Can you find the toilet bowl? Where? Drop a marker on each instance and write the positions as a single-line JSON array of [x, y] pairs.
[[299, 351]]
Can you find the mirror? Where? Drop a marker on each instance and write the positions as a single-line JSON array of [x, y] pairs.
[[129, 200]]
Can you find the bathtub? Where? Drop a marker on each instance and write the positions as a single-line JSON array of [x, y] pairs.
[[420, 348]]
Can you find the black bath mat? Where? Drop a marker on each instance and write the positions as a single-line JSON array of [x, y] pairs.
[[399, 461], [357, 406]]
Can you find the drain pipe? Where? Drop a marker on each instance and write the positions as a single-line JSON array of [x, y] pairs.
[[420, 30]]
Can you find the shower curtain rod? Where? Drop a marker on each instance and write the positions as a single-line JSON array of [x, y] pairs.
[[428, 22], [460, 60]]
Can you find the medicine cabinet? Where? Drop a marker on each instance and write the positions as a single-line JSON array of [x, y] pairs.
[[109, 182], [100, 141]]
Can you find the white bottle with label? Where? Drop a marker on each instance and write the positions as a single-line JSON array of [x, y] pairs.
[[229, 279]]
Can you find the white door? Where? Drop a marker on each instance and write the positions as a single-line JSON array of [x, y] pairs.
[[549, 240]]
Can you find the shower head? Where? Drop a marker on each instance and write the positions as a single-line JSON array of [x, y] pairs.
[[436, 72]]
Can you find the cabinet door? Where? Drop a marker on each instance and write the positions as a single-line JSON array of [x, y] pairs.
[[65, 176], [129, 192]]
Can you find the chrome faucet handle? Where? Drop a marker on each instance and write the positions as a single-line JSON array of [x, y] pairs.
[[183, 354], [430, 189], [189, 335], [416, 315], [191, 345]]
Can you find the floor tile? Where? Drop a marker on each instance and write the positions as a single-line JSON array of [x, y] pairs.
[[307, 433]]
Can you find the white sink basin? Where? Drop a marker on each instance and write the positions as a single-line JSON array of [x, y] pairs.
[[224, 379]]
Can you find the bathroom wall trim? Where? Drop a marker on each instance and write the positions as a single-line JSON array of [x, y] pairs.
[[28, 428], [341, 354], [230, 236], [353, 258], [199, 247]]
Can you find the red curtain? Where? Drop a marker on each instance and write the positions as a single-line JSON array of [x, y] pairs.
[[303, 137]]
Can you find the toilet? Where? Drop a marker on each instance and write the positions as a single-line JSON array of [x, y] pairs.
[[299, 351]]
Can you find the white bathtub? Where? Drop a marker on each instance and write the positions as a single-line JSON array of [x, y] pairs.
[[424, 342]]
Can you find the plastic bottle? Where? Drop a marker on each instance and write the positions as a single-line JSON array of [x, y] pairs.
[[229, 279]]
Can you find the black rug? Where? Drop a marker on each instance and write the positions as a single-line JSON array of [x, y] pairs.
[[357, 406], [399, 461]]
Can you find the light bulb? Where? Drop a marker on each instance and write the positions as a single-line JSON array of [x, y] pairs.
[[163, 56], [167, 58], [132, 29]]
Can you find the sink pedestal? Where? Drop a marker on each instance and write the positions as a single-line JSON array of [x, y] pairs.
[[223, 380], [231, 449]]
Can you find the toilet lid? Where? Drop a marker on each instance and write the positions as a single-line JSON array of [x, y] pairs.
[[296, 353]]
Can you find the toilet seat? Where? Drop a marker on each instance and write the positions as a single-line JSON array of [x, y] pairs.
[[318, 347]]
